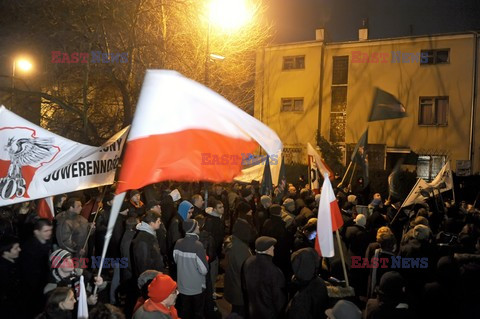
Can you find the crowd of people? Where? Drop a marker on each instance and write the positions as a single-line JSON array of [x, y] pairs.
[[168, 248]]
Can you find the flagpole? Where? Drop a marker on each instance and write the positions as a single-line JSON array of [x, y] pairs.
[[343, 258], [344, 175], [351, 177], [94, 218], [413, 188]]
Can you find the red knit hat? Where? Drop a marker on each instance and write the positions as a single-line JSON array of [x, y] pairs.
[[161, 287]]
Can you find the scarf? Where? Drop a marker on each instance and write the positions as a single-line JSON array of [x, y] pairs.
[[139, 205], [151, 306]]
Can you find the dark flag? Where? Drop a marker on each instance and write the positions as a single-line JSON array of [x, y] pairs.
[[266, 187], [386, 107], [395, 183], [360, 156]]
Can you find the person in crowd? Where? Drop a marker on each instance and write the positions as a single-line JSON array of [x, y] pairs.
[[93, 206], [135, 205], [106, 311], [275, 227], [215, 226], [388, 246], [35, 251], [144, 249], [155, 206], [64, 273], [236, 252], [198, 203], [72, 228], [192, 268], [264, 282], [60, 304], [11, 292], [143, 282], [58, 202], [162, 293], [289, 215], [292, 192], [310, 295], [261, 214], [244, 212], [391, 300], [305, 236], [344, 309]]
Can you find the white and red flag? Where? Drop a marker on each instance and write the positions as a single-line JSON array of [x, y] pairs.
[[45, 208], [329, 219], [184, 131]]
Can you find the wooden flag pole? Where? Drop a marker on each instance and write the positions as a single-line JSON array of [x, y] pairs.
[[351, 177], [343, 258], [94, 218], [344, 175]]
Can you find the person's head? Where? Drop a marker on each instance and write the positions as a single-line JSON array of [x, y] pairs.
[[383, 230], [265, 245], [305, 263], [59, 200], [60, 298], [218, 189], [74, 205], [108, 199], [163, 289], [289, 205], [103, 311], [42, 229], [391, 287], [10, 247], [153, 219], [360, 220], [191, 226], [144, 280], [185, 210], [154, 205], [422, 232], [218, 207], [275, 210], [200, 220], [247, 193], [61, 260], [292, 190], [266, 201], [344, 309], [387, 241], [243, 209], [198, 201], [135, 196]]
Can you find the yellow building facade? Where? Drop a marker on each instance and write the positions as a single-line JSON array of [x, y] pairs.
[[303, 89]]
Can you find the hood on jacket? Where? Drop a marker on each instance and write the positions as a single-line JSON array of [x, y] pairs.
[[183, 209], [143, 226], [305, 263]]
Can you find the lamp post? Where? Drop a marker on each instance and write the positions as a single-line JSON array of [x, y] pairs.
[[23, 65]]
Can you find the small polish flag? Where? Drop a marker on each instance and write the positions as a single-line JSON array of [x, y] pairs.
[[329, 219]]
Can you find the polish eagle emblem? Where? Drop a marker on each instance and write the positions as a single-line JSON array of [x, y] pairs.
[[27, 152]]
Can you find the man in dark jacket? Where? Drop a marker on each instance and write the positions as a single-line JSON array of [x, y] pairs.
[[243, 224], [35, 251], [145, 250], [214, 225], [310, 298], [10, 286], [264, 282], [275, 227]]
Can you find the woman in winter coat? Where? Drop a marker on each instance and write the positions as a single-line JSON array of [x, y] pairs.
[[60, 304]]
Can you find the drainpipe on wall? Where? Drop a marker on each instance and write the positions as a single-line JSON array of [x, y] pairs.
[[320, 93], [471, 150]]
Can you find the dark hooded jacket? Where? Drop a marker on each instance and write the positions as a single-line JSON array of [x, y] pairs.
[[310, 299]]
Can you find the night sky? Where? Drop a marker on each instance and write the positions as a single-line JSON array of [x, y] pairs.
[[296, 20]]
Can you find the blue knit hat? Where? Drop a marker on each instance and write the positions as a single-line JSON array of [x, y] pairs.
[[183, 209]]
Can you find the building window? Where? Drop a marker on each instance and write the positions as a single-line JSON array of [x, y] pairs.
[[294, 62], [340, 70], [428, 166], [338, 110], [292, 104], [433, 111], [439, 56]]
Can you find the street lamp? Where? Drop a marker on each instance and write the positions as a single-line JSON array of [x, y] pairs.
[[227, 15], [23, 65]]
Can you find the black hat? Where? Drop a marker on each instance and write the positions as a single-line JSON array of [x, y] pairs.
[[243, 208], [275, 210], [246, 192], [189, 225], [391, 285], [264, 242], [305, 263], [152, 203]]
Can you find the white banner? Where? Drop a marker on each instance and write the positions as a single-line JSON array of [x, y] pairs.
[[416, 194], [444, 180], [36, 163]]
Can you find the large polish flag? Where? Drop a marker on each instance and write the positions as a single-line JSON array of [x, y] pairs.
[[184, 131], [329, 219]]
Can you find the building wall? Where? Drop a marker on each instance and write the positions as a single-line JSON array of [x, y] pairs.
[[406, 81], [273, 83]]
